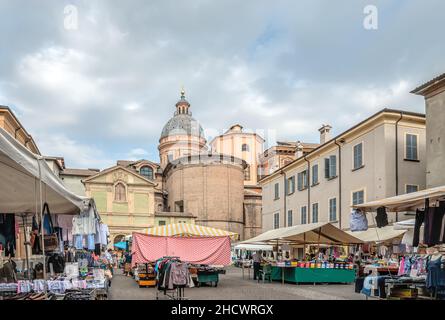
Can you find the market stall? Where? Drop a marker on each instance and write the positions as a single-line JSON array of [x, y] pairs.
[[205, 250], [421, 273], [313, 269], [31, 191]]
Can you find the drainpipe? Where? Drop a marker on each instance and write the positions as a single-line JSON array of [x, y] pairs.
[[339, 183], [397, 159], [308, 190]]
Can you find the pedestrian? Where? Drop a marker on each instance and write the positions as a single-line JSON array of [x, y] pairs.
[[127, 266], [257, 258]]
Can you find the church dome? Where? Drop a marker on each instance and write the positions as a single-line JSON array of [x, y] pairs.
[[182, 124]]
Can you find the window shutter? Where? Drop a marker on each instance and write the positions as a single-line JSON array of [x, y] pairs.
[[332, 166], [326, 168], [300, 181]]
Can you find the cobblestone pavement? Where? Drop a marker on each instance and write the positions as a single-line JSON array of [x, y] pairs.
[[232, 286]]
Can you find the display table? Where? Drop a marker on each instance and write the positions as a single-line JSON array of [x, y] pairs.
[[208, 277], [312, 275]]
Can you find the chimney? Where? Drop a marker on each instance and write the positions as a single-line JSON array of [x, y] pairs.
[[325, 133], [299, 150]]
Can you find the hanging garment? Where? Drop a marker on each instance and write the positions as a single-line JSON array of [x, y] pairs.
[[85, 223], [66, 223], [433, 224], [8, 232], [102, 234], [420, 217], [382, 217], [436, 274], [358, 221], [401, 267]]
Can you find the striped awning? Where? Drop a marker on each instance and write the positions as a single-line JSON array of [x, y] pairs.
[[188, 230]]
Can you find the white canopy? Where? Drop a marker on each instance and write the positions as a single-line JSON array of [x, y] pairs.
[[405, 202], [313, 233], [22, 173], [253, 247], [378, 234]]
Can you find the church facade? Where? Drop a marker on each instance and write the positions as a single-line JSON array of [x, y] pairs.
[[212, 185]]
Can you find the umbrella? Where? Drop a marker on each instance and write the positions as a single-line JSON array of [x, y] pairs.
[[121, 245]]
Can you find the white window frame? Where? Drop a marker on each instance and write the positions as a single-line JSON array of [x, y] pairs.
[[405, 146], [301, 215], [276, 214], [312, 174], [336, 209], [275, 189], [413, 185], [290, 213], [358, 190], [363, 156], [318, 212]]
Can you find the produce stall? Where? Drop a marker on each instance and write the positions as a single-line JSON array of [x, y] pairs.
[[309, 270], [312, 275]]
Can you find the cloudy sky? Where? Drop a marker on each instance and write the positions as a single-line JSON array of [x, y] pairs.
[[102, 90]]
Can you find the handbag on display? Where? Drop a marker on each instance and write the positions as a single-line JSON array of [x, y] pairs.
[[51, 240]]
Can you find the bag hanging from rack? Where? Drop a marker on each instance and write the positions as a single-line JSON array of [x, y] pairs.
[[50, 240]]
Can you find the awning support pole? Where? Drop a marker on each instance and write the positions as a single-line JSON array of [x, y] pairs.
[[27, 243]]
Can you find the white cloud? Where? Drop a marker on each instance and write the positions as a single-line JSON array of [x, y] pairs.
[[112, 84]]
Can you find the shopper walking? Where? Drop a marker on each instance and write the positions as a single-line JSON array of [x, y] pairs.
[[257, 258]]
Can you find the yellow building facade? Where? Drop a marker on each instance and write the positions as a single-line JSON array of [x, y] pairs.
[[125, 199]]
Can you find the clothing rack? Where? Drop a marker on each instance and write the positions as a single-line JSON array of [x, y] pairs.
[[178, 292]]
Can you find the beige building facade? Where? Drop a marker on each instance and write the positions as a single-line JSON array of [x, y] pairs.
[[243, 145], [210, 187], [380, 157], [10, 123], [434, 93], [282, 154]]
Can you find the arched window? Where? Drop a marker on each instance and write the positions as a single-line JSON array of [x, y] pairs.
[[147, 172], [120, 193], [245, 147]]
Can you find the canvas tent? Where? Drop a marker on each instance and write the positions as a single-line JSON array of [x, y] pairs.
[[313, 233], [188, 230], [26, 181], [253, 247], [197, 250], [378, 235], [404, 202]]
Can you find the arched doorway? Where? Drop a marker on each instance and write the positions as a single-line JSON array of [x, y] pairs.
[[119, 238]]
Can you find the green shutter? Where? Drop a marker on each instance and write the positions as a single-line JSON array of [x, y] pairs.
[[326, 168]]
